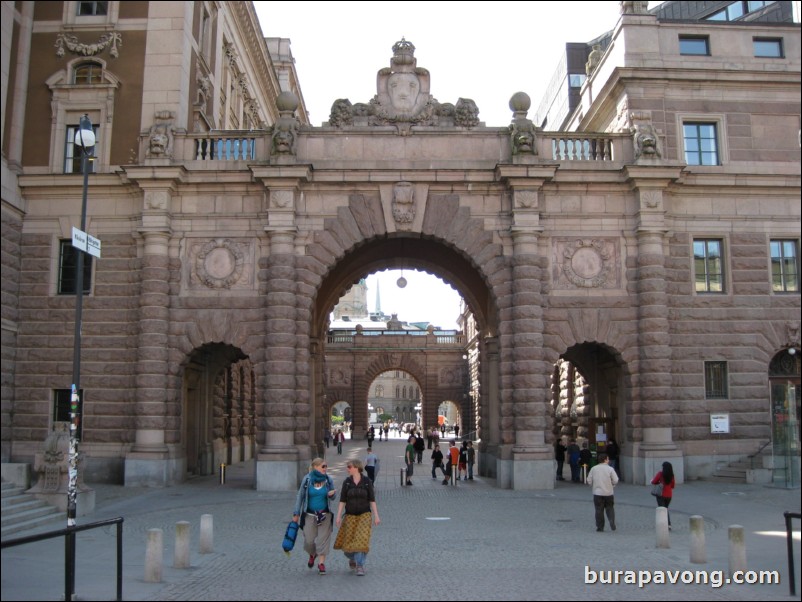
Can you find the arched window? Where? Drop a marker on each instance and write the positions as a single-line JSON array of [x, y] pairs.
[[397, 391], [87, 73], [379, 390]]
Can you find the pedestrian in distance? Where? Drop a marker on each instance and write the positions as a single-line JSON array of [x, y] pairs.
[[372, 465], [559, 456], [585, 459], [312, 513], [437, 461], [602, 479], [666, 477], [471, 459], [355, 512], [409, 458], [463, 462], [573, 460]]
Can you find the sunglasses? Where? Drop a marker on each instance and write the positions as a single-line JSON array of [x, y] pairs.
[[324, 466]]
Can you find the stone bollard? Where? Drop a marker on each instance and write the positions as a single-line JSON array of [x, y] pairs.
[[182, 540], [153, 556], [403, 481], [661, 527], [737, 549], [206, 534], [698, 548]]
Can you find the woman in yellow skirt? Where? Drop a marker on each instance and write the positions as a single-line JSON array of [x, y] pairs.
[[358, 503]]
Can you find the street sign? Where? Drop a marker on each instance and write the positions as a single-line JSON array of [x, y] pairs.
[[86, 242]]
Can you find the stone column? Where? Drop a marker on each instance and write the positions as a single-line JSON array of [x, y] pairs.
[[277, 461], [652, 442]]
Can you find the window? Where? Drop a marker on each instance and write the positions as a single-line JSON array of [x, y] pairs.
[[768, 47], [701, 143], [68, 269], [716, 380], [72, 152], [708, 263], [784, 266], [88, 73], [379, 390], [736, 10], [698, 45], [93, 8], [575, 80], [61, 407]]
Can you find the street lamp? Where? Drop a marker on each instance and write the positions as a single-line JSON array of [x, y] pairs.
[[85, 139]]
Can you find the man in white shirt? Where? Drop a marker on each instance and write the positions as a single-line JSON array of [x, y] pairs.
[[602, 478]]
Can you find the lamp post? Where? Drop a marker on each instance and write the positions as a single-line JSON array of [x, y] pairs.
[[85, 139]]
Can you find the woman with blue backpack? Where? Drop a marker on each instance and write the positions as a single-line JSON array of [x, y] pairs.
[[312, 512]]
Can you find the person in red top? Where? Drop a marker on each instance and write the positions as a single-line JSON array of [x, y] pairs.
[[453, 461], [666, 477]]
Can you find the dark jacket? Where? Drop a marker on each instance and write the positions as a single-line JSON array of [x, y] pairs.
[[437, 458], [357, 497]]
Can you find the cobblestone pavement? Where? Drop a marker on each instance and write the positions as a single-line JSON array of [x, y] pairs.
[[470, 541]]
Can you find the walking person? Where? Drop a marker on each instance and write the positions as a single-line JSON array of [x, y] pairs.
[[339, 437], [372, 465], [437, 461], [358, 505], [613, 452], [602, 479], [327, 437], [559, 456], [409, 457], [666, 477], [312, 512]]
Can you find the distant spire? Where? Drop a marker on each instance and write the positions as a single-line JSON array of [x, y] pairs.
[[378, 298]]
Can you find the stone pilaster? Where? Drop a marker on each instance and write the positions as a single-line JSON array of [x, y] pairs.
[[652, 433], [280, 390], [150, 461]]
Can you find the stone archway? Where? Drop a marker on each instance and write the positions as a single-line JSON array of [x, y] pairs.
[[587, 395], [218, 410]]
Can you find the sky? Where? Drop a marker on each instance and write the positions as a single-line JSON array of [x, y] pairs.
[[483, 51]]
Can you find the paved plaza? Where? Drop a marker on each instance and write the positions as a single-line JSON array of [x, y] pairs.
[[471, 541]]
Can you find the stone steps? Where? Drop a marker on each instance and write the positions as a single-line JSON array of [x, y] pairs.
[[24, 512]]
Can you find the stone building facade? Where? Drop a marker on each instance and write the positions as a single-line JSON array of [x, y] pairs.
[[653, 245]]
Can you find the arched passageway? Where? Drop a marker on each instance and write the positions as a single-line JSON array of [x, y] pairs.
[[218, 409]]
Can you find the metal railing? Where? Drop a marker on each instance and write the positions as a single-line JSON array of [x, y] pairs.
[[69, 551], [752, 457]]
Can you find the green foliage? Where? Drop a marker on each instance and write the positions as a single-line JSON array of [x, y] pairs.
[[385, 417], [337, 419]]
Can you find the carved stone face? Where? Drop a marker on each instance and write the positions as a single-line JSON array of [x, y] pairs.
[[403, 89]]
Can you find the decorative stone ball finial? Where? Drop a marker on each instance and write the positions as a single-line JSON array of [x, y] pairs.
[[520, 102]]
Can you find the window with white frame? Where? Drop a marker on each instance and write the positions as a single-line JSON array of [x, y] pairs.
[[784, 266], [87, 73], [92, 8], [708, 265], [700, 143], [73, 152], [716, 380]]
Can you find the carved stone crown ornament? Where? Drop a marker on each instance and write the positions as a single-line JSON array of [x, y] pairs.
[[71, 43]]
